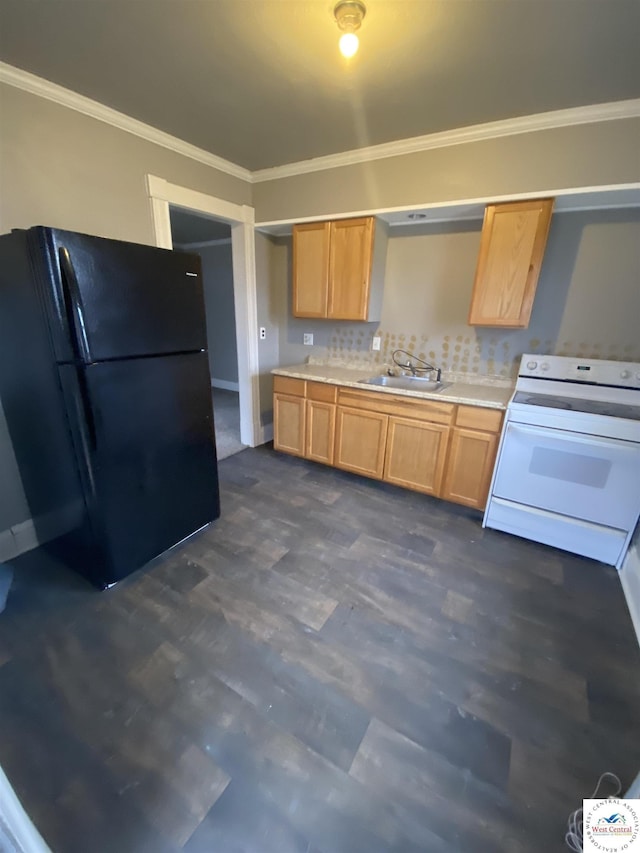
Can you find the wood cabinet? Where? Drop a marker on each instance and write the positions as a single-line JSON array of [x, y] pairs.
[[311, 269], [429, 446], [399, 439], [289, 415], [514, 236], [472, 455], [321, 422], [304, 415], [360, 441], [338, 269], [416, 454]]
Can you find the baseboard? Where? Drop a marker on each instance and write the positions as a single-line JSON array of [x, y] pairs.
[[18, 540], [225, 385], [265, 433], [27, 535], [630, 580], [8, 546]]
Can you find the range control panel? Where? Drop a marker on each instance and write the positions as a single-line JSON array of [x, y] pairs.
[[595, 371]]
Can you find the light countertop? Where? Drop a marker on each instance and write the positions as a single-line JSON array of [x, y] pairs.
[[489, 392]]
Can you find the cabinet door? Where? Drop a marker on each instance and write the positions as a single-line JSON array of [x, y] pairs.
[[350, 259], [472, 455], [288, 423], [321, 423], [360, 441], [310, 269], [514, 237], [416, 453]]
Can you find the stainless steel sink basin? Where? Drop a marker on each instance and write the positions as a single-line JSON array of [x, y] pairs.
[[407, 383]]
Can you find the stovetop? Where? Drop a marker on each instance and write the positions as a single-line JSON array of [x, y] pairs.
[[576, 404]]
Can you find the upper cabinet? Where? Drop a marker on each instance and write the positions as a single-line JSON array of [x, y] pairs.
[[311, 269], [514, 236], [338, 269]]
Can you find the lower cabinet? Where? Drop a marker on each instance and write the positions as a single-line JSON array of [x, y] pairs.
[[360, 441], [437, 448], [472, 455], [321, 428], [289, 424], [289, 412], [416, 454]]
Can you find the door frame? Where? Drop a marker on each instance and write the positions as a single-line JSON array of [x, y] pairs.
[[241, 218]]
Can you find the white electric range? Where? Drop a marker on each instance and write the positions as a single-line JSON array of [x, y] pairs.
[[568, 466]]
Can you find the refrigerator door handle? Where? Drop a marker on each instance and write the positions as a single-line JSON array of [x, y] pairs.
[[73, 301], [86, 427]]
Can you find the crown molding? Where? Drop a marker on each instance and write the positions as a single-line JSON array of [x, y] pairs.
[[567, 200], [94, 109], [591, 114], [473, 133]]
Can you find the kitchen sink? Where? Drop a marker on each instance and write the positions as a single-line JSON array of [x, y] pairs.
[[407, 383]]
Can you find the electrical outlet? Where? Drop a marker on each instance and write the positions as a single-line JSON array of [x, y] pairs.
[[263, 333], [307, 339], [375, 343]]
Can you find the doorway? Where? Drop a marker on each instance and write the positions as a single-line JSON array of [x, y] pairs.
[[241, 218], [210, 238]]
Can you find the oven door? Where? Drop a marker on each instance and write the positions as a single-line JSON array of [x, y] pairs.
[[580, 476]]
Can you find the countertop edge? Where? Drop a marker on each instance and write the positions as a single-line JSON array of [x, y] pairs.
[[447, 396]]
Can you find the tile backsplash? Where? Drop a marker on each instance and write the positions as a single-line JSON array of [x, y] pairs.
[[586, 305], [482, 352]]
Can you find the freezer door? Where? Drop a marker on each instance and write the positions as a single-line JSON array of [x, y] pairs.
[[107, 299], [150, 473]]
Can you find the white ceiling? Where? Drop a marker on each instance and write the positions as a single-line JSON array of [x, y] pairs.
[[261, 83]]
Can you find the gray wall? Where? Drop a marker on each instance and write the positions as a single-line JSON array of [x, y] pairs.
[[581, 156], [64, 169], [587, 302], [217, 272], [61, 168]]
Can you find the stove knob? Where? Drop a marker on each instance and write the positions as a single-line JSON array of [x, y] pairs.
[[531, 365], [625, 374], [545, 365]]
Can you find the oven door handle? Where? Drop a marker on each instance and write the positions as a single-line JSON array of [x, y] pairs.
[[536, 432]]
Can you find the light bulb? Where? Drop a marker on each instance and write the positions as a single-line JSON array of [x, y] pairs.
[[348, 44]]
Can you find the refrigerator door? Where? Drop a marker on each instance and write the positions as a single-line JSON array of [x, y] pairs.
[[145, 445], [107, 299]]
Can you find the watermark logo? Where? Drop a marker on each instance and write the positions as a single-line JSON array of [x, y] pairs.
[[611, 826]]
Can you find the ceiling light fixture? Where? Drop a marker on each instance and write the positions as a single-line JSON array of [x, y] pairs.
[[349, 15]]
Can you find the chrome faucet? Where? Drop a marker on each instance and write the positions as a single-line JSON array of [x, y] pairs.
[[412, 367]]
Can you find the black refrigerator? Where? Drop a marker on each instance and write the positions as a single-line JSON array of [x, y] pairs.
[[105, 387]]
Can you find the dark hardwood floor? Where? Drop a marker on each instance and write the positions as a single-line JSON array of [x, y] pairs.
[[335, 666]]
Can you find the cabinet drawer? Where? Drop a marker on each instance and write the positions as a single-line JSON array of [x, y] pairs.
[[390, 404], [287, 385], [322, 392], [476, 417]]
